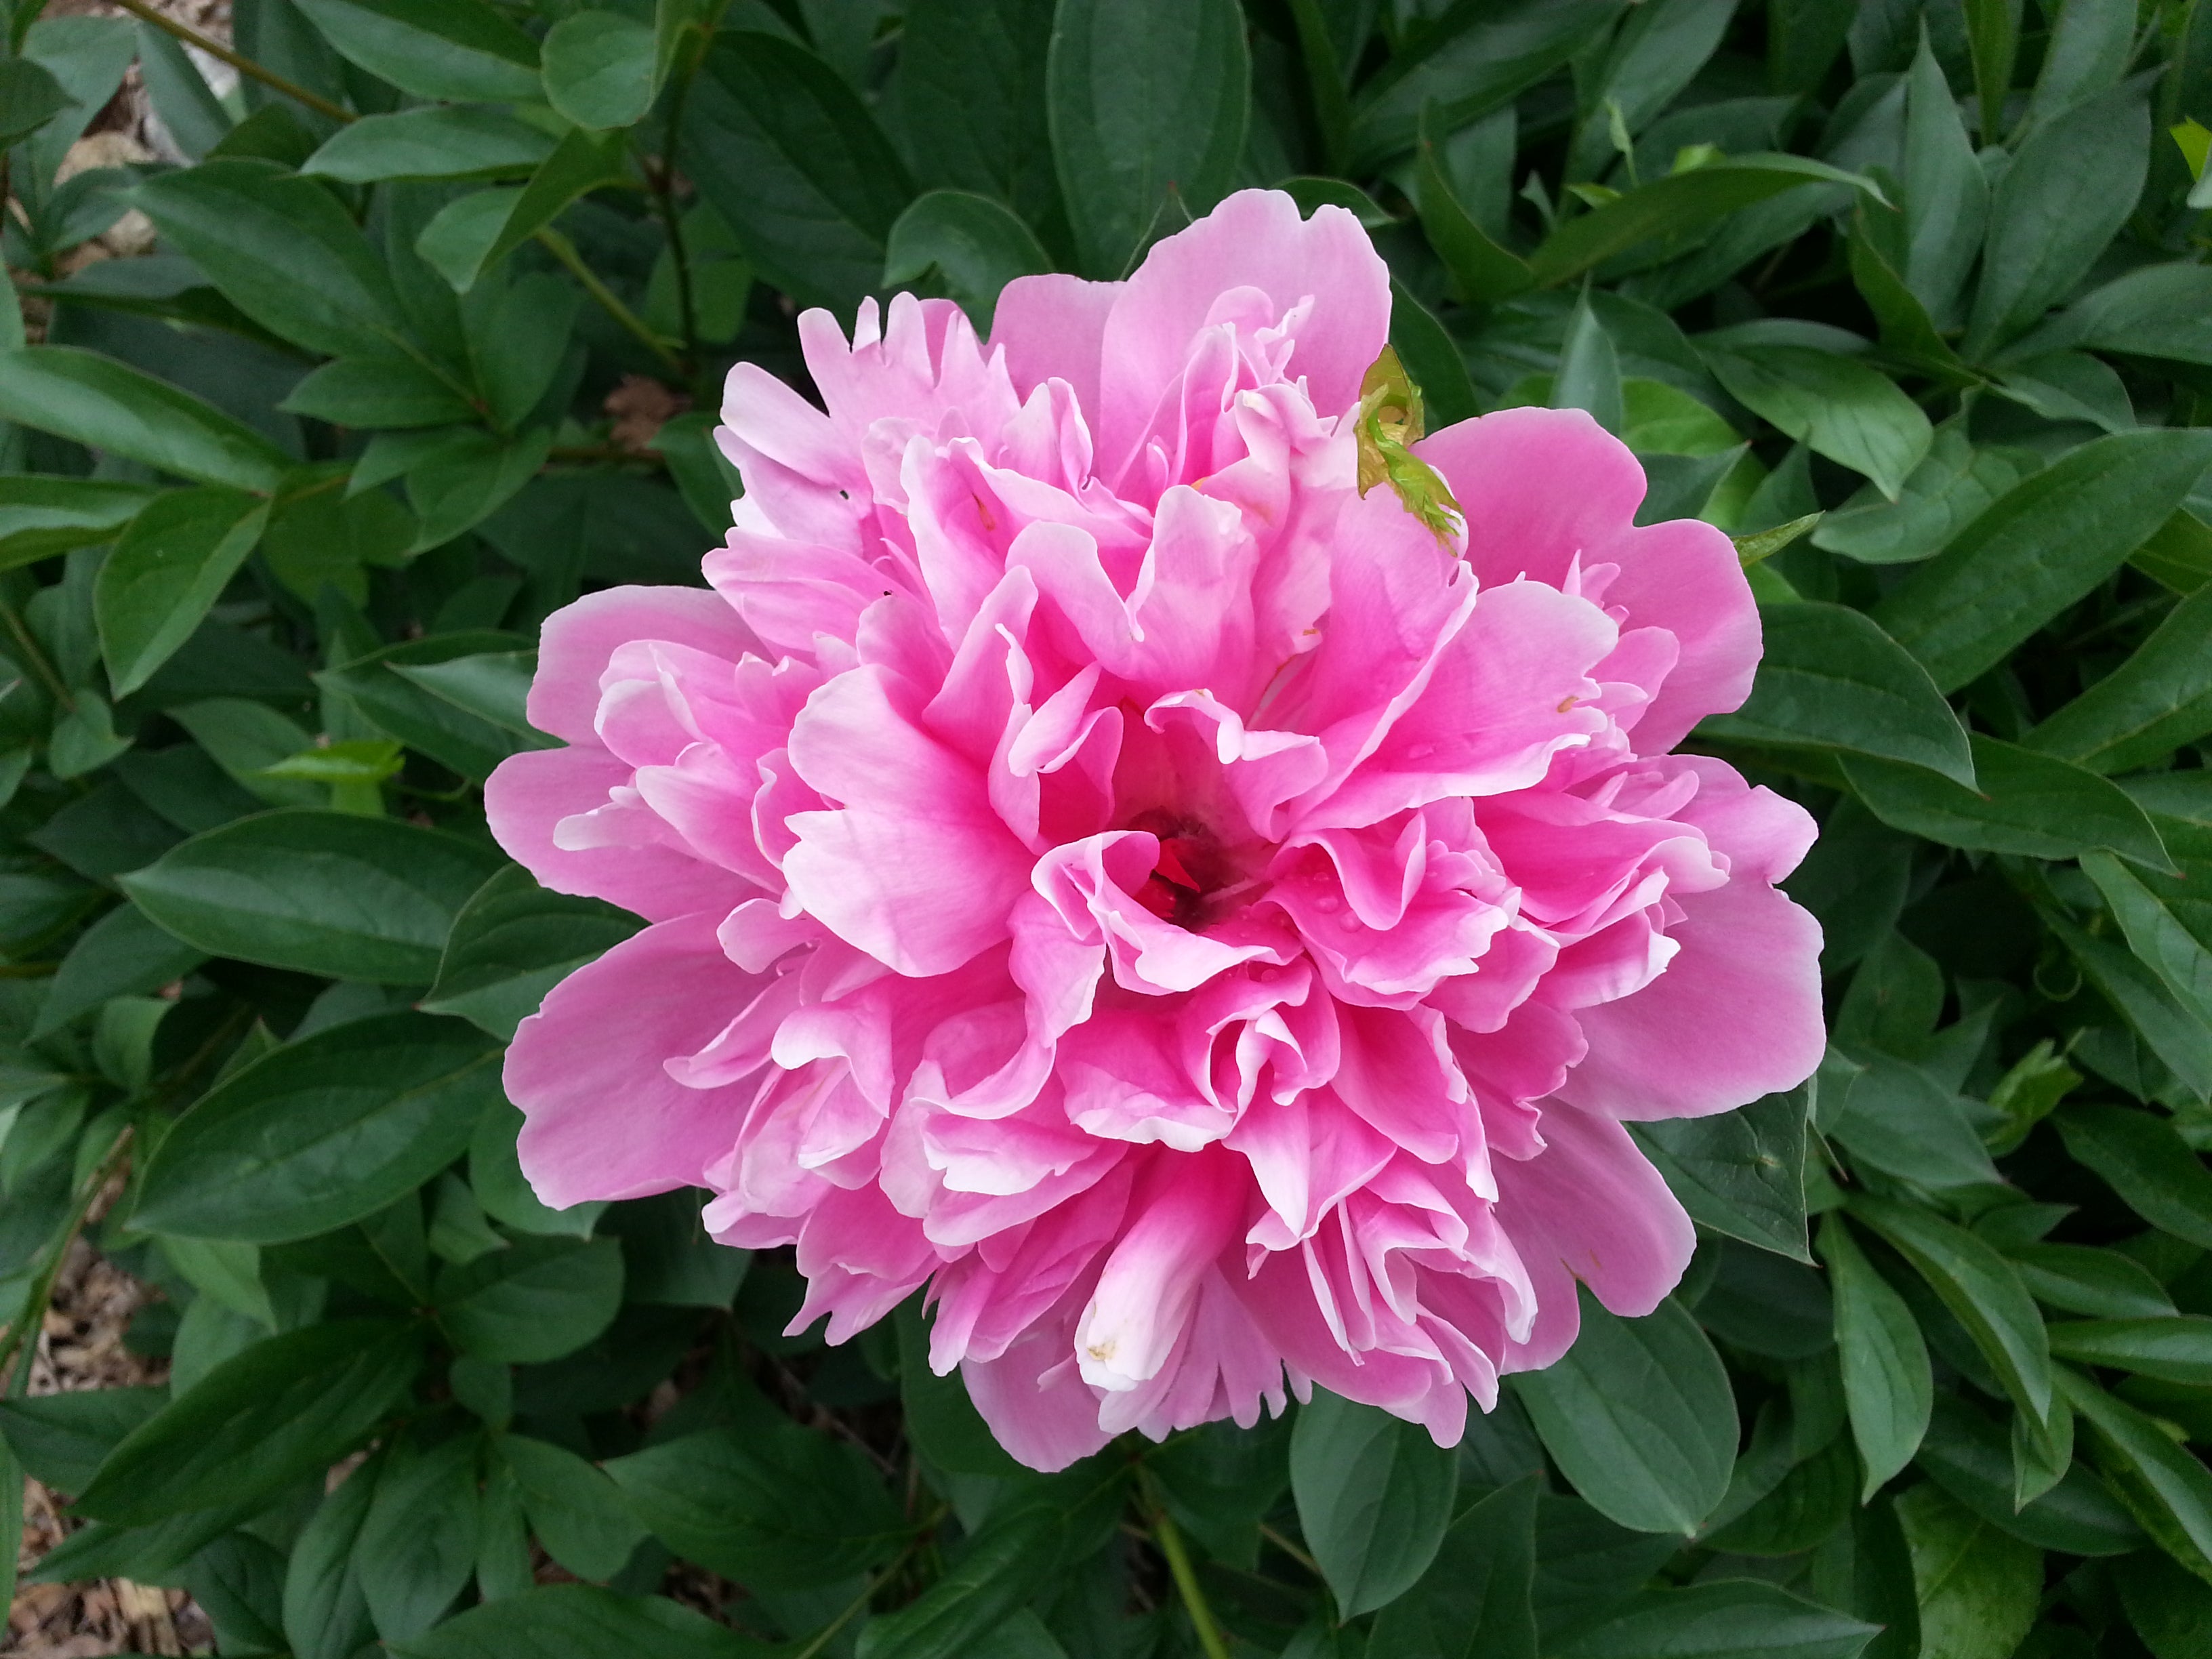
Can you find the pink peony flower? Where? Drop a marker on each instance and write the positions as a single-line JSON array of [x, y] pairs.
[[1201, 923]]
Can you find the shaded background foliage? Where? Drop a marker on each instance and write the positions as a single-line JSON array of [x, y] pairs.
[[1911, 297]]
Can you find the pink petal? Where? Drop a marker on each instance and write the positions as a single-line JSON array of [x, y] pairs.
[[1735, 1016], [578, 640], [603, 1118], [531, 792]]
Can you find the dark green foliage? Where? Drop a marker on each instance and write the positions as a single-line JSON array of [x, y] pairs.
[[1911, 296]]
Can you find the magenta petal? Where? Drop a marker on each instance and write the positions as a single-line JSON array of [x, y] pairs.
[[578, 640], [1593, 1202], [603, 1119], [1255, 239], [531, 794], [1737, 1014]]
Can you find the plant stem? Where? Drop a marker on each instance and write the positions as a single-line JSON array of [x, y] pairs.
[[1290, 1549], [239, 61], [565, 252], [37, 657], [822, 1638], [22, 1340], [1170, 1538], [552, 239]]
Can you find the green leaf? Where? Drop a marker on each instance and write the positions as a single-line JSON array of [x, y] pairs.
[[1897, 1118], [1475, 59], [534, 1301], [1731, 1619], [1978, 1587], [472, 234], [787, 153], [284, 1409], [2044, 543], [1432, 358], [2177, 1032], [1639, 1417], [2177, 1347], [975, 103], [2152, 310], [373, 392], [2032, 804], [1740, 1173], [976, 245], [1980, 1288], [470, 479], [2163, 1484], [2157, 937], [1588, 377], [1677, 205], [495, 1177], [30, 96], [108, 405], [1972, 1459], [580, 1621], [454, 49], [1889, 1389], [1374, 1496], [323, 1130], [62, 1439], [2081, 1280], [419, 715], [941, 1421], [1831, 678], [511, 943], [1945, 194], [1147, 102], [1836, 405], [2147, 1163], [41, 516], [2068, 191], [417, 1545], [1006, 1563], [600, 68], [2171, 1610], [1476, 1596], [319, 892], [452, 141], [493, 685], [577, 1513], [324, 1615], [282, 249], [782, 1505], [123, 954], [2156, 700], [166, 570], [1944, 494], [1482, 271]]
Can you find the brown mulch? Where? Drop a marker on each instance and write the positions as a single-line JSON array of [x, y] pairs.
[[81, 1347]]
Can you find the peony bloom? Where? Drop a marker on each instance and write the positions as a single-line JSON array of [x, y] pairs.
[[1202, 922]]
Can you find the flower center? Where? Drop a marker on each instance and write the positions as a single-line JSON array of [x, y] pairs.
[[1193, 869]]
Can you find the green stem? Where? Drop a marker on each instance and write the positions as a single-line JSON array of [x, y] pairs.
[[22, 1340], [565, 252], [828, 1633], [239, 61], [1290, 1549], [37, 657], [1170, 1538]]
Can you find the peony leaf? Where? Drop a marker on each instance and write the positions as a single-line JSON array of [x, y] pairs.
[[1374, 1496], [324, 1131], [1640, 1416], [1889, 1389], [1740, 1173]]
